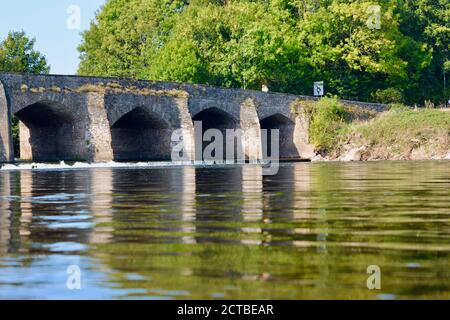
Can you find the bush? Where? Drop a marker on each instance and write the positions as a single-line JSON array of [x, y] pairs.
[[327, 118], [388, 96]]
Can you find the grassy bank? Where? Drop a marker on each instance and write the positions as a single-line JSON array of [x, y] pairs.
[[339, 132]]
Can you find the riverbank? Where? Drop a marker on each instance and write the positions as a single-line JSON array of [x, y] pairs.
[[400, 133]]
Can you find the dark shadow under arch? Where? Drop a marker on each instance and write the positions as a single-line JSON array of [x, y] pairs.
[[141, 135], [214, 118], [47, 133], [286, 127]]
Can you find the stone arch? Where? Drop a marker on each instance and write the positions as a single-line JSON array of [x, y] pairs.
[[286, 127], [229, 105], [48, 132], [215, 118], [264, 113], [141, 135]]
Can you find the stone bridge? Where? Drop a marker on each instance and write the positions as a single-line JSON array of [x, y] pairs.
[[102, 119]]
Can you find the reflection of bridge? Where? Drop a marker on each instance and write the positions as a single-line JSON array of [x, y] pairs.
[[91, 211], [101, 119], [109, 201]]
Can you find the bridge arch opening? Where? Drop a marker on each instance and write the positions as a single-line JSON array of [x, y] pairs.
[[286, 127], [214, 118], [46, 133], [141, 135]]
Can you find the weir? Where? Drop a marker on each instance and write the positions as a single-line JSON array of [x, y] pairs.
[[97, 119]]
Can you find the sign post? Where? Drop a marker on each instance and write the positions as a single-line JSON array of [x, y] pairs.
[[318, 89]]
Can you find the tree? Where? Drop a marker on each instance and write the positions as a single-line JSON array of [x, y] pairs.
[[286, 44], [123, 33], [355, 56], [17, 54], [428, 23], [235, 44], [241, 45]]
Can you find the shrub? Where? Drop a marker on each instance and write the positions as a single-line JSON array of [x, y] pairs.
[[327, 119], [388, 96]]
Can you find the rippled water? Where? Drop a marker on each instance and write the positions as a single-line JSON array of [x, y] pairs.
[[185, 233]]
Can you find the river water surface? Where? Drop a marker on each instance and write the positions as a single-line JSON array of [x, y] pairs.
[[309, 232]]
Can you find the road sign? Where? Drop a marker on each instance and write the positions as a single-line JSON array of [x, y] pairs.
[[318, 89]]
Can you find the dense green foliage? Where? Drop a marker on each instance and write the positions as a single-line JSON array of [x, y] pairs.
[[286, 44], [17, 54], [327, 117]]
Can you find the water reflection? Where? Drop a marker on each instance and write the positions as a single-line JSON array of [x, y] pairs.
[[5, 214], [308, 232], [101, 206]]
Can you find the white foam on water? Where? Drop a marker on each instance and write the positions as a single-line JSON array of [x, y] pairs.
[[85, 165]]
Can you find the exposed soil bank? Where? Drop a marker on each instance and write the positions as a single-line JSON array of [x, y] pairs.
[[398, 134]]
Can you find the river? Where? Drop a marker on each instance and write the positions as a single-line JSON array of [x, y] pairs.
[[310, 232]]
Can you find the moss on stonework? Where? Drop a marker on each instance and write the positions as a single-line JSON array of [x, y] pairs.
[[111, 87], [249, 103], [117, 88]]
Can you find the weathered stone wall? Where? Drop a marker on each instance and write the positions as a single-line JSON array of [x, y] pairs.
[[98, 133], [5, 125], [102, 119]]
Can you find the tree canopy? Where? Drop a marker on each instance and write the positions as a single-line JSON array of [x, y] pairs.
[[285, 44], [17, 54]]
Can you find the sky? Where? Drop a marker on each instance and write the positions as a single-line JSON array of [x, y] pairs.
[[54, 25]]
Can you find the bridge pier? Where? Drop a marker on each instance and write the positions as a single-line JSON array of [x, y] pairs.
[[6, 148], [251, 131], [305, 150], [98, 132], [187, 128], [26, 152]]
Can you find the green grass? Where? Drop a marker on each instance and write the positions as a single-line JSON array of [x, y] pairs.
[[400, 131], [393, 134], [403, 126]]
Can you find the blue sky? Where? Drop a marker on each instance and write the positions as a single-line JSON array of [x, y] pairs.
[[46, 20]]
